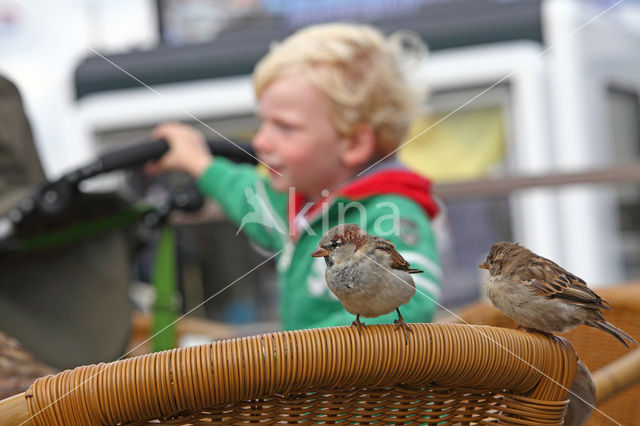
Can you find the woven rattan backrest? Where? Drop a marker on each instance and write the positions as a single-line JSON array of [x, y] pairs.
[[597, 349], [447, 373], [594, 347]]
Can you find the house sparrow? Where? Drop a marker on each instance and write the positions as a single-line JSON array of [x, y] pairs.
[[366, 273], [538, 294]]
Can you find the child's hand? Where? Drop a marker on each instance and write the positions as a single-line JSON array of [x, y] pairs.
[[188, 150]]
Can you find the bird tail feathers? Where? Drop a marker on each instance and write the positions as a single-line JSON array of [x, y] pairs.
[[615, 332], [414, 271]]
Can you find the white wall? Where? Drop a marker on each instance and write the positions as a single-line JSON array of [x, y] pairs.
[[592, 47], [41, 43]]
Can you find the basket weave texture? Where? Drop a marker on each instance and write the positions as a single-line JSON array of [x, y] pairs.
[[446, 374], [594, 347]]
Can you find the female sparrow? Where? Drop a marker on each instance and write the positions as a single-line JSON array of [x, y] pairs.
[[538, 294], [366, 273]]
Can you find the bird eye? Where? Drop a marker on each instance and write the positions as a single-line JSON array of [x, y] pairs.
[[336, 243]]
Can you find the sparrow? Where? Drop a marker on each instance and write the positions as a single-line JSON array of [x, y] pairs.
[[366, 273], [541, 296]]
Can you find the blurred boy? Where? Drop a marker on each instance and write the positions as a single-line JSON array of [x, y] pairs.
[[333, 102]]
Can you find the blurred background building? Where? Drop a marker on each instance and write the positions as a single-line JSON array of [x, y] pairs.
[[516, 88]]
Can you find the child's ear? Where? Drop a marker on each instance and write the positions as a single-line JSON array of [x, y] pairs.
[[359, 146]]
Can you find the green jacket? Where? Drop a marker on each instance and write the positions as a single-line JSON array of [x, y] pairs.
[[267, 217]]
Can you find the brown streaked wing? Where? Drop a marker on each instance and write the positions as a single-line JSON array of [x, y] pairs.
[[397, 261], [550, 280]]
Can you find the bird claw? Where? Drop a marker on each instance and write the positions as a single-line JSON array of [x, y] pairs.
[[358, 324], [405, 328]]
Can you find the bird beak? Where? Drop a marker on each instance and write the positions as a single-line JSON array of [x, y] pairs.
[[483, 265], [320, 252]]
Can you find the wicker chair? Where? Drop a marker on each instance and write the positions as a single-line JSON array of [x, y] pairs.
[[446, 374], [616, 369]]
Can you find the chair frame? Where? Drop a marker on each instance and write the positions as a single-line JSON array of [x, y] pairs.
[[615, 368], [446, 373]]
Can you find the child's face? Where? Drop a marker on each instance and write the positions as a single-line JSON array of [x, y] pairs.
[[297, 137]]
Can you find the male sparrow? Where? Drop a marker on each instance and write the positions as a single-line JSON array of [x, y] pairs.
[[366, 273], [538, 294]]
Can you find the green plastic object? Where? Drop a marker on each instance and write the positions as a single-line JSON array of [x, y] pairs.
[[165, 311]]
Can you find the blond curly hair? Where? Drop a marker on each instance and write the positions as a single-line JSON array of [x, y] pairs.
[[358, 69]]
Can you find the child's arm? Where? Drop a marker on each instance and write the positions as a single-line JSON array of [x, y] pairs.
[[248, 201], [242, 193]]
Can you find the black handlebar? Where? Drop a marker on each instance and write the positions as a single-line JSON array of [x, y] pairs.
[[53, 197], [139, 154], [136, 155], [131, 156]]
